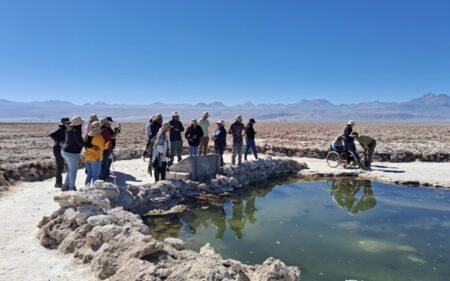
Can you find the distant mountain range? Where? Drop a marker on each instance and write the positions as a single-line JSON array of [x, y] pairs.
[[427, 108]]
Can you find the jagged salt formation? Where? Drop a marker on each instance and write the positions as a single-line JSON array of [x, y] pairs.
[[94, 224]]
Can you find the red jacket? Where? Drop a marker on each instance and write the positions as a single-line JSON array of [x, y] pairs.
[[107, 136]]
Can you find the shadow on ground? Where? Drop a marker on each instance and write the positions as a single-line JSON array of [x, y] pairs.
[[123, 178], [387, 169]]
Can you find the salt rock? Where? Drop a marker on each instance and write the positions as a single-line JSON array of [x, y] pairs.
[[73, 198], [274, 269], [175, 243], [101, 220]]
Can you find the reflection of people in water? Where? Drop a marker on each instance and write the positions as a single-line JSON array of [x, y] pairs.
[[243, 210], [250, 209], [219, 221], [237, 221], [344, 193]]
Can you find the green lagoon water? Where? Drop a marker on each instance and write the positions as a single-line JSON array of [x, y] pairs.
[[333, 230]]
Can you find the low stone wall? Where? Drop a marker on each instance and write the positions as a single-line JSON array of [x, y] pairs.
[[44, 169], [382, 156], [94, 224]]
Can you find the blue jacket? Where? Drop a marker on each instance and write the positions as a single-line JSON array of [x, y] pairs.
[[220, 137]]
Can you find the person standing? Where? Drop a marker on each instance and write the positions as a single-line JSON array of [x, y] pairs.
[[71, 150], [161, 148], [368, 144], [220, 139], [94, 155], [59, 136], [148, 139], [88, 127], [176, 141], [250, 139], [156, 124], [204, 124], [237, 130], [108, 136], [193, 134], [349, 141]]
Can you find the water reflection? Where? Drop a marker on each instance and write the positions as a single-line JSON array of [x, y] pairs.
[[242, 211], [355, 196]]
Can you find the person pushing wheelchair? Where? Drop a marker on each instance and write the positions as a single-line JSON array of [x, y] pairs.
[[368, 144]]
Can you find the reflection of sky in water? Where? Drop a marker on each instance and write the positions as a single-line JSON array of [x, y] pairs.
[[337, 230]]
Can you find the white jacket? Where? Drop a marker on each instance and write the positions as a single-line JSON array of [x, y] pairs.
[[161, 145]]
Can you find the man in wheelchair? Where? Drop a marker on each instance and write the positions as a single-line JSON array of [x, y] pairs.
[[338, 145]]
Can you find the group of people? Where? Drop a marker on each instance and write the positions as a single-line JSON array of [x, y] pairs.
[[346, 143], [98, 139], [165, 141]]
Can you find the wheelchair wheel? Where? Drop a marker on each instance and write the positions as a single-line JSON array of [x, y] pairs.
[[333, 159]]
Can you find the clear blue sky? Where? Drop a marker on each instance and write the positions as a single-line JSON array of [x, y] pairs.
[[232, 51]]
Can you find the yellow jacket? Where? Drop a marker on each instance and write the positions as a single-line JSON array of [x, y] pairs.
[[96, 155]]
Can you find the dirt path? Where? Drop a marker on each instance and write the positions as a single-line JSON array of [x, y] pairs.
[[22, 208], [22, 258], [426, 173]]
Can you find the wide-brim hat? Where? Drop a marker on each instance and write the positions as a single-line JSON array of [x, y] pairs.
[[104, 121], [76, 121], [222, 122], [109, 119], [238, 118], [96, 128], [351, 122], [175, 113], [93, 118], [65, 120], [194, 121]]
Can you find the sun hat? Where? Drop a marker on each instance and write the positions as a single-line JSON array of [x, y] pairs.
[[351, 122], [93, 118], [205, 113], [194, 121], [65, 120], [159, 115], [76, 121], [109, 119], [96, 128], [238, 117], [221, 122], [175, 113], [104, 121]]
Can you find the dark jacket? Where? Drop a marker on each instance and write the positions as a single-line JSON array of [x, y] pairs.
[[58, 136], [250, 132], [237, 129], [154, 128], [74, 141], [347, 131], [176, 127], [193, 135], [220, 137], [113, 141]]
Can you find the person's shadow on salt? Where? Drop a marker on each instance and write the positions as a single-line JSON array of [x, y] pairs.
[[387, 169], [122, 179]]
